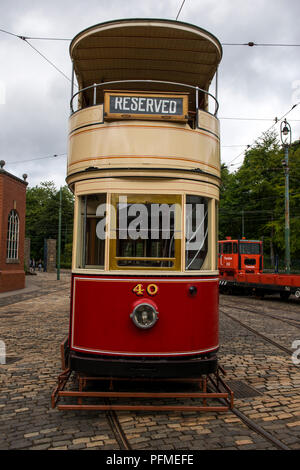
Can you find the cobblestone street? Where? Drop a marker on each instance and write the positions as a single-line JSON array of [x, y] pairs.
[[35, 321]]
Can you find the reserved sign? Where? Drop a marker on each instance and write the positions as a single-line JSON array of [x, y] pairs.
[[146, 106]]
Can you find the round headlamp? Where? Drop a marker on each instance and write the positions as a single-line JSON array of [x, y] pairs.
[[144, 316]]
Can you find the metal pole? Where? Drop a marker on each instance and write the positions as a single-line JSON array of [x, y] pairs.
[[197, 99], [287, 212], [72, 87], [243, 224], [59, 235], [217, 85], [95, 94], [84, 232]]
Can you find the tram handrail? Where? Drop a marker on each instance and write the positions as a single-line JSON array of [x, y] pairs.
[[114, 82]]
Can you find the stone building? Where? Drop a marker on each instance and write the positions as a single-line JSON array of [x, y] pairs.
[[12, 230]]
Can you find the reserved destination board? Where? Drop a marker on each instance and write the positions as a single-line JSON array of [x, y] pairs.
[[146, 106]]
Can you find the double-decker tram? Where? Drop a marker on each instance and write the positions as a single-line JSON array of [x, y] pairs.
[[144, 166]]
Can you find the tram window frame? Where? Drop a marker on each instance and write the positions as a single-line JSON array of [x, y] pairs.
[[199, 259], [215, 266], [90, 247], [244, 251], [227, 248], [119, 245]]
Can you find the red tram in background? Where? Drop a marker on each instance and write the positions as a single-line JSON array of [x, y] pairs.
[[241, 271], [240, 255], [144, 166]]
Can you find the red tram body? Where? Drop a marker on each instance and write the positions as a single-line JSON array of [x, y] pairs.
[[144, 305], [117, 342]]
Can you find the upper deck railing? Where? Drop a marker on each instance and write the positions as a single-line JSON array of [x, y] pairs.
[[95, 86]]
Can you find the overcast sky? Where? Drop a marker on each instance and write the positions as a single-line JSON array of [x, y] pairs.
[[259, 82]]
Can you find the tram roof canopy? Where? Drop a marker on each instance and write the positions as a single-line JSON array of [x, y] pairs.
[[145, 49]]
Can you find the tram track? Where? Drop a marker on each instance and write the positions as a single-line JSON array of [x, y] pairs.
[[117, 429], [250, 423], [124, 444], [257, 333], [259, 430], [289, 321], [245, 419]]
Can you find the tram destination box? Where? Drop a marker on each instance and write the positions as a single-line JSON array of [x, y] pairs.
[[151, 106]]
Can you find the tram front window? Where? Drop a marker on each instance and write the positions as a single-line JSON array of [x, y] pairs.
[[249, 248], [147, 232]]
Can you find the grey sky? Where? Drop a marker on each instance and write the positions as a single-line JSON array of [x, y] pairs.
[[254, 82]]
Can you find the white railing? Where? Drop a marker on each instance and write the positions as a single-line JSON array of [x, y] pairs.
[[115, 82]]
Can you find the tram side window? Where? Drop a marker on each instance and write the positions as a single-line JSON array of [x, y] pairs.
[[196, 247], [92, 243]]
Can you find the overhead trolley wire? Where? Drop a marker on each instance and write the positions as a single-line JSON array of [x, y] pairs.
[[180, 10], [32, 37], [25, 39], [249, 44], [34, 159], [49, 61], [252, 44], [276, 122]]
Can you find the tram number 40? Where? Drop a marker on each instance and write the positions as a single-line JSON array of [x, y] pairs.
[[151, 289]]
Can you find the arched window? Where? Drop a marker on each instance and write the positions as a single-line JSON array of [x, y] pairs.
[[13, 235]]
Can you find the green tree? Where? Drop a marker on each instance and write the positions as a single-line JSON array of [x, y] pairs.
[[42, 208], [253, 197]]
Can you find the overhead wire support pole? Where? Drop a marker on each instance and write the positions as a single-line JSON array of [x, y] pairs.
[[285, 131], [59, 235]]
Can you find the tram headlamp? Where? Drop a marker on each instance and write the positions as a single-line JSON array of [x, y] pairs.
[[144, 316]]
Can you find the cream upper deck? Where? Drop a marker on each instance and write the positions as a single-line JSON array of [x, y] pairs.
[[145, 49], [146, 56]]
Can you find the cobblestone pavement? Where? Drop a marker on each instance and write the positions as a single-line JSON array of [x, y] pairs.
[[34, 323]]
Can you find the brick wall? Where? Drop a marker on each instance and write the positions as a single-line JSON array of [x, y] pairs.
[[12, 196]]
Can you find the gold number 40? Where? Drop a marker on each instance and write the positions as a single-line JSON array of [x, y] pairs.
[[151, 289]]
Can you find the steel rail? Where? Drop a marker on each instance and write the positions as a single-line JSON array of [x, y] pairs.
[[284, 320], [248, 421], [117, 429], [257, 428], [266, 302], [266, 338]]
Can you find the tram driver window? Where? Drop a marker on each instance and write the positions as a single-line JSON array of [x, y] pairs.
[[197, 223], [147, 232], [93, 246]]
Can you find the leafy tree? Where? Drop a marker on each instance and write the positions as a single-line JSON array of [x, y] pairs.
[[253, 197], [42, 212]]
